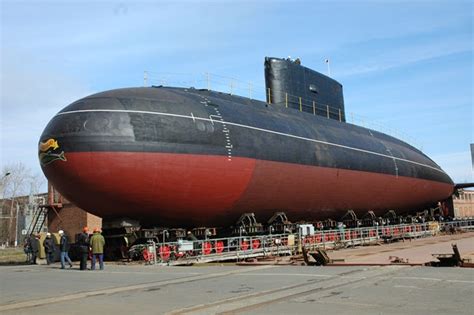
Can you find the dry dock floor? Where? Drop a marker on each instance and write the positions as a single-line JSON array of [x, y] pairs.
[[229, 289], [417, 251]]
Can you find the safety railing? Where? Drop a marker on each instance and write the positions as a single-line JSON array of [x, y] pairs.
[[242, 247], [252, 90], [461, 224], [219, 249]]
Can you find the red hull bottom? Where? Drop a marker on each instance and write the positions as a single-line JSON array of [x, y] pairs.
[[200, 190]]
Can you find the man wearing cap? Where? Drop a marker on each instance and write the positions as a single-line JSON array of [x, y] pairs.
[[83, 242], [48, 244], [97, 244], [64, 247]]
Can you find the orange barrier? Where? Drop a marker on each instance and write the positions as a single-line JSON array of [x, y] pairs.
[[255, 244], [348, 235], [219, 247], [206, 248], [164, 252]]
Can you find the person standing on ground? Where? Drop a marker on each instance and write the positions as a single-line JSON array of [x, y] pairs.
[[97, 244], [35, 244], [48, 244], [64, 248], [27, 249], [83, 242]]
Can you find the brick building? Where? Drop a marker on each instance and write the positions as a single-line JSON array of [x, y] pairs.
[[64, 215], [464, 203], [71, 219]]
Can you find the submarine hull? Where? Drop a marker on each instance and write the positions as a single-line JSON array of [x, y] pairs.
[[185, 157]]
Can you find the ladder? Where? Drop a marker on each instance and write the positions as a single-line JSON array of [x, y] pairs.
[[37, 223]]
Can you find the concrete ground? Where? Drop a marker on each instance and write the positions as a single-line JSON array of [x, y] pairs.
[[417, 251], [138, 289]]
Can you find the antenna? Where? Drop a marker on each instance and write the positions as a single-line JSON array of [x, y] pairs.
[[329, 68]]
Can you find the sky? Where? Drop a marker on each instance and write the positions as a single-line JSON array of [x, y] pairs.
[[404, 65]]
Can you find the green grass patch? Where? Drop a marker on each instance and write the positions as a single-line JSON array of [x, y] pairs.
[[12, 256]]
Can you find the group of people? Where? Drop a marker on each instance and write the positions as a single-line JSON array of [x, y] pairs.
[[94, 244], [86, 244]]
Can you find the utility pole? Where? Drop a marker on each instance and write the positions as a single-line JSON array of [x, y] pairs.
[[10, 220], [16, 224]]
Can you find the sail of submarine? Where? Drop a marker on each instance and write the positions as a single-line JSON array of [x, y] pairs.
[[188, 157]]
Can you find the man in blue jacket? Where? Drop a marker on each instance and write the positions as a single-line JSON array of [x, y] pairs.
[[64, 248]]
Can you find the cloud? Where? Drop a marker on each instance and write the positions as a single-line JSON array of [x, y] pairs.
[[106, 32], [391, 54]]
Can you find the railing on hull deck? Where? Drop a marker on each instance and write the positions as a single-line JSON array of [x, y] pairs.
[[233, 86]]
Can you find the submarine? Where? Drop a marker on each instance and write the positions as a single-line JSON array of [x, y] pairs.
[[188, 157]]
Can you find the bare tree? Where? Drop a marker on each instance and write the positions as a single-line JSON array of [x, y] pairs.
[[17, 180], [36, 182], [15, 183]]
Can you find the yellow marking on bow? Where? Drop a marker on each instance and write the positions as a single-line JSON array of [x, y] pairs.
[[50, 143]]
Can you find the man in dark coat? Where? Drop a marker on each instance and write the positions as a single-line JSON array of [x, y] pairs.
[[64, 248], [35, 244], [83, 242], [48, 244]]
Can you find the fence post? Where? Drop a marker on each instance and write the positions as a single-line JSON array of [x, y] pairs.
[[269, 96], [301, 105], [340, 117], [314, 108], [327, 110], [286, 100]]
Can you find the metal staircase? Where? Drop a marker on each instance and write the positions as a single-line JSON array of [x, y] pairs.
[[40, 215], [39, 218]]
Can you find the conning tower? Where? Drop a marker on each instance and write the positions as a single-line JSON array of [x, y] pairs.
[[290, 84]]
